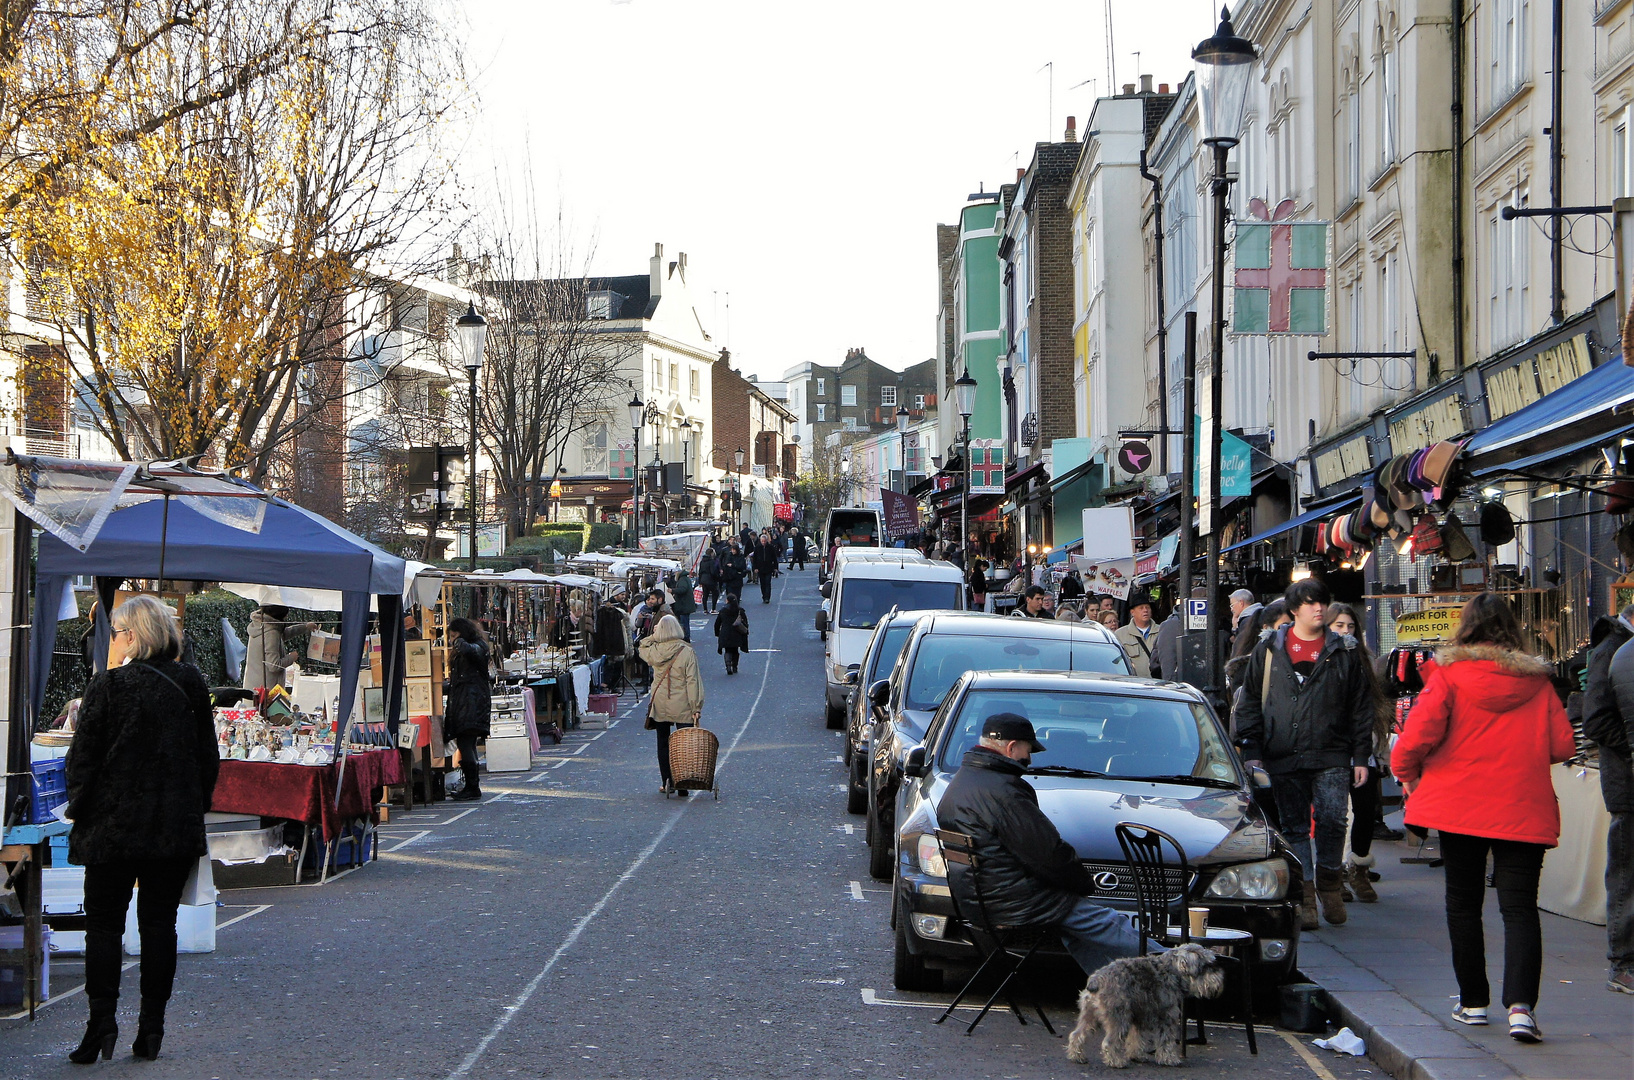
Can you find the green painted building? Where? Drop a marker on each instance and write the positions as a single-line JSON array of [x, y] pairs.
[[978, 338]]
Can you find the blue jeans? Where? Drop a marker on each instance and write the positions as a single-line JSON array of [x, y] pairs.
[[1620, 892], [685, 619], [1328, 792], [1096, 935]]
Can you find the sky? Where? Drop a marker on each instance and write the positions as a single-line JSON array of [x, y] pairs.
[[800, 154]]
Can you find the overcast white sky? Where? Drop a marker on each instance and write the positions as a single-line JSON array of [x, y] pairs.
[[801, 154]]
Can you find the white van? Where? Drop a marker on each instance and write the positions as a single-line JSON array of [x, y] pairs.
[[857, 525], [865, 585]]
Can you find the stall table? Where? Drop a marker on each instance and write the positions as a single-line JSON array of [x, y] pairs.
[[306, 793], [22, 846]]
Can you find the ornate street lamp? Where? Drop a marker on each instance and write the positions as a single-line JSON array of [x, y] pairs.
[[902, 441], [1225, 66], [638, 412], [471, 330], [737, 502], [964, 395]]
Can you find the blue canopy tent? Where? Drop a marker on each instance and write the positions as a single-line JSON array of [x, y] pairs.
[[292, 547]]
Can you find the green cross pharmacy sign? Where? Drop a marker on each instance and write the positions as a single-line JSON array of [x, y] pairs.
[[1280, 273]]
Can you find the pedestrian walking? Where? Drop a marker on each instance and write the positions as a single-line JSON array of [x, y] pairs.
[[677, 698], [470, 700], [1473, 758], [765, 563], [733, 568], [1608, 719], [141, 772], [1109, 619], [976, 579], [1365, 797], [1139, 638], [709, 579], [1032, 604], [797, 550], [731, 631], [684, 603], [1306, 713]]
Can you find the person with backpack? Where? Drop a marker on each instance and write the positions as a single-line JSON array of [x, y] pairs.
[[1306, 713], [1608, 719], [1474, 758], [709, 579], [731, 631]]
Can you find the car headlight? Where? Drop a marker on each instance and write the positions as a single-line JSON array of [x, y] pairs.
[[1264, 880], [929, 851]]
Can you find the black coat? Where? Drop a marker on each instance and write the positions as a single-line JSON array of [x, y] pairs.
[[611, 635], [708, 570], [766, 559], [1325, 723], [1029, 875], [732, 572], [142, 766], [726, 630], [799, 542], [470, 694], [1616, 773]]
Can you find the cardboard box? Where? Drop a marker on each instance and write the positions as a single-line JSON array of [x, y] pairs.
[[417, 659]]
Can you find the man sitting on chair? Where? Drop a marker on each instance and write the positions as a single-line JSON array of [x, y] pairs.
[[1029, 875]]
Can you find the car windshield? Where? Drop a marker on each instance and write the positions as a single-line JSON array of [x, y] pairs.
[[864, 600], [942, 658], [890, 649], [857, 529], [1111, 735]]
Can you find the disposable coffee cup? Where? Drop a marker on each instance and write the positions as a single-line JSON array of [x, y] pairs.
[[1199, 921]]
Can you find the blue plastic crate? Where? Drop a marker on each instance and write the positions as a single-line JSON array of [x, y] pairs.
[[50, 789]]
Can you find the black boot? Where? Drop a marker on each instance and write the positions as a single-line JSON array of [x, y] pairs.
[[150, 1030], [101, 1032]]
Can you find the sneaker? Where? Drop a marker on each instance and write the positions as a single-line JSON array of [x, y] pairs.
[[1522, 1027], [1622, 982], [1474, 1017]]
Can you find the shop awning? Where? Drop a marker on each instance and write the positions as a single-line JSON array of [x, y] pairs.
[[1596, 394], [1580, 447], [1293, 523]]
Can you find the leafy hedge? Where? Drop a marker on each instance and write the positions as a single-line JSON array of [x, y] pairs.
[[604, 534], [203, 624], [540, 547]]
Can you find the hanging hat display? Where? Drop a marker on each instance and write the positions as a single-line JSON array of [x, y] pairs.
[[1620, 497], [1438, 462], [1497, 526], [1454, 541]]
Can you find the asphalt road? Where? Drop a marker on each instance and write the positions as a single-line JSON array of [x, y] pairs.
[[579, 924]]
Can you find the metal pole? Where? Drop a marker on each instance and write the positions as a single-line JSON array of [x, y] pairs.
[[1188, 454], [471, 471], [1557, 286], [964, 503], [1222, 187], [635, 487]]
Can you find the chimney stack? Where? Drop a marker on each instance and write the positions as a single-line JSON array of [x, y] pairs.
[[1146, 84], [1020, 172], [655, 272], [1128, 89], [1072, 130]]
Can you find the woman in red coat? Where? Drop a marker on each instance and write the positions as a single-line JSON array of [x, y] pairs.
[[1474, 757]]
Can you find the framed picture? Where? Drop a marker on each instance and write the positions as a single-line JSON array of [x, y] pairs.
[[1622, 594]]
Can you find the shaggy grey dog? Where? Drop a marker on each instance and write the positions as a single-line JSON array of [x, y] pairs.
[[1138, 1003]]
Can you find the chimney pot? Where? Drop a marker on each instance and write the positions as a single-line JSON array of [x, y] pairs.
[[1128, 88], [1071, 134], [1163, 88], [1020, 172], [1146, 84]]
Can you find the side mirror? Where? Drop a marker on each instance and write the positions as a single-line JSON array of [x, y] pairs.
[[822, 621], [851, 675], [915, 765], [879, 693], [1259, 777], [823, 589]]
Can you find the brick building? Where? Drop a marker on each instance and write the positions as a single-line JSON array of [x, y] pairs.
[[859, 395], [748, 417]]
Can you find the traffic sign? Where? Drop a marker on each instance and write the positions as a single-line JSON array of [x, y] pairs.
[[1134, 457], [1196, 614]]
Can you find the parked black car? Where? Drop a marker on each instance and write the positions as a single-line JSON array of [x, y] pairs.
[[941, 648], [1119, 749], [890, 635]]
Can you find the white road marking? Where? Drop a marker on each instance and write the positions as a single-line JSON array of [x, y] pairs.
[[240, 918], [410, 840], [509, 1012], [1309, 1058], [847, 829], [869, 997], [856, 890]]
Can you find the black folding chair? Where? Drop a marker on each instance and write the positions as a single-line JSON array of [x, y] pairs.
[[1006, 948], [1161, 899]]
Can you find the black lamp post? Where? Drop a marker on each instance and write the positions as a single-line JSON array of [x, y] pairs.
[[638, 412], [737, 501], [471, 330], [1225, 65], [902, 441], [964, 394]]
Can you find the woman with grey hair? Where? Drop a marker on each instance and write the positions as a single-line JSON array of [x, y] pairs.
[[141, 773], [677, 689]]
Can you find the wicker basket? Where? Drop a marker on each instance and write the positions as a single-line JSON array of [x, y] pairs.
[[692, 753]]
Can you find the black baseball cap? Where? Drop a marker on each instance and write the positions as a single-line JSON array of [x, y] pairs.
[[1011, 728]]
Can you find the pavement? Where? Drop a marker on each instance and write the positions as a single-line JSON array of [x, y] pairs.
[[1388, 972], [576, 923]]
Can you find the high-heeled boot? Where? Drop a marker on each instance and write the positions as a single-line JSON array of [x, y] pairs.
[[150, 1030], [101, 1032]]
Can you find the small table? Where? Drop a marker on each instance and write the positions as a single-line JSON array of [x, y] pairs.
[[21, 845]]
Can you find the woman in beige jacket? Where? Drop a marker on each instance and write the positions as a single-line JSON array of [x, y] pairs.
[[677, 688]]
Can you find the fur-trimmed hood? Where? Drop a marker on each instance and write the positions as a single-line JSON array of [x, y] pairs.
[[1507, 678]]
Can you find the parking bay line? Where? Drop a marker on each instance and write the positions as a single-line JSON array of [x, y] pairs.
[[1309, 1058], [869, 997]]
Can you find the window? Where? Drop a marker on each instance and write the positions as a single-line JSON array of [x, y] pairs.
[[1389, 96], [919, 402], [1622, 175], [887, 395], [1511, 276], [822, 387], [766, 448], [1389, 304], [593, 447], [657, 373], [1353, 142], [1509, 29], [1181, 220], [1358, 343], [693, 384], [822, 413], [849, 423], [674, 378], [848, 396], [598, 305]]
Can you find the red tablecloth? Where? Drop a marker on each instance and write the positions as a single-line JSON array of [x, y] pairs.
[[306, 793]]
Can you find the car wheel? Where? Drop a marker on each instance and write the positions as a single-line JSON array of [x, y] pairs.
[[909, 971], [856, 788], [833, 718], [881, 852]]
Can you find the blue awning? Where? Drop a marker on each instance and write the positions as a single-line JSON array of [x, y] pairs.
[[1599, 392], [1547, 456], [1294, 523]]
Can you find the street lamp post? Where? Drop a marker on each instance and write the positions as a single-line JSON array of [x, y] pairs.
[[964, 394], [472, 331], [737, 501], [902, 441], [686, 458], [638, 412], [1225, 64], [845, 471]]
